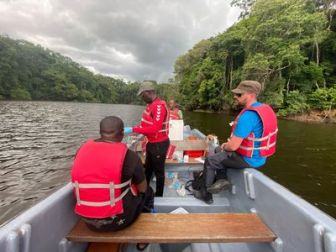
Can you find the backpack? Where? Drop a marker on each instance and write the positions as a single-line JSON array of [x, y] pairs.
[[149, 200], [197, 183]]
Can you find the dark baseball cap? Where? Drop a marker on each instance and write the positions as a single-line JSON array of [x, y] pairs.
[[247, 86]]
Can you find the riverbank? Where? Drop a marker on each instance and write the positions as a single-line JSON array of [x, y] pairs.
[[314, 116]]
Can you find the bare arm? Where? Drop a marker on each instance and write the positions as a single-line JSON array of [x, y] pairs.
[[142, 187], [232, 144]]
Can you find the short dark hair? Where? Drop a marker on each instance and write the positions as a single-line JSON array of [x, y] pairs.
[[111, 125]]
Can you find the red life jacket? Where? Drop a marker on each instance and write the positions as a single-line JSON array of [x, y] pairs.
[[148, 120], [96, 176], [269, 135], [174, 115]]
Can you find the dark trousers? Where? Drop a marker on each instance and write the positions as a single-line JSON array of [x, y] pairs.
[[155, 162], [133, 206], [216, 166]]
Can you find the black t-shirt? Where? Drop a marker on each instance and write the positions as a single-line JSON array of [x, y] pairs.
[[132, 168]]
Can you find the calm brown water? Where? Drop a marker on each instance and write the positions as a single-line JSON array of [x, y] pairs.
[[38, 141]]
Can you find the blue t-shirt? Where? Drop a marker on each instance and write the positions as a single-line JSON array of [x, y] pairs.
[[249, 122]]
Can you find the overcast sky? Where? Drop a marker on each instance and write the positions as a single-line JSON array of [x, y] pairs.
[[128, 39]]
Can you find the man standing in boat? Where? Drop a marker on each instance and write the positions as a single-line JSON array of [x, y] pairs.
[[155, 126], [252, 140], [109, 181]]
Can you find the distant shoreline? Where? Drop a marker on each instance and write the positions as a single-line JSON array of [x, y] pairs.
[[313, 116]]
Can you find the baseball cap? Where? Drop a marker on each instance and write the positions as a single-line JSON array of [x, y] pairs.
[[145, 86], [247, 86]]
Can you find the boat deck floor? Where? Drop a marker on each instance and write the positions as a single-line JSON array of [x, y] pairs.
[[174, 198], [177, 201]]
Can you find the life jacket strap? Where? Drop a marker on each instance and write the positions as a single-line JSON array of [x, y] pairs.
[[263, 138], [111, 186], [258, 148]]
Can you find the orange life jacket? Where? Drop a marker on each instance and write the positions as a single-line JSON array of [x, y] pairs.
[[148, 120], [96, 176], [269, 135], [174, 115]]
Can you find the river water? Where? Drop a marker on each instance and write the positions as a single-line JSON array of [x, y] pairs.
[[39, 139]]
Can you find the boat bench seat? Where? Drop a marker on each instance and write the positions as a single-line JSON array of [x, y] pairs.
[[181, 228], [182, 145]]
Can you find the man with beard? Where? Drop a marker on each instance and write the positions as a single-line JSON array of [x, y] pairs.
[[155, 126], [252, 140]]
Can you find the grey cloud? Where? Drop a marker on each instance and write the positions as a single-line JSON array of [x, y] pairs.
[[135, 40]]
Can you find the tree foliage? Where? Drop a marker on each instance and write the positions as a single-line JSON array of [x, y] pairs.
[[323, 98], [32, 72], [287, 45]]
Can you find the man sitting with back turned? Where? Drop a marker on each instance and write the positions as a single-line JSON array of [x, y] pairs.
[[252, 140], [109, 180]]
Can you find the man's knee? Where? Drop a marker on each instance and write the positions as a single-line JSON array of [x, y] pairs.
[[212, 161], [218, 149]]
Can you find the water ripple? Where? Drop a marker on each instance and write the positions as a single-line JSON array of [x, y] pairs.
[[37, 143]]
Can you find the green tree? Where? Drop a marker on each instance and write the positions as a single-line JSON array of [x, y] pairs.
[[19, 93], [28, 71], [288, 45]]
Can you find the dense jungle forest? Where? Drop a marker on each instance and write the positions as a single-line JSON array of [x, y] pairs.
[[31, 72], [287, 45]]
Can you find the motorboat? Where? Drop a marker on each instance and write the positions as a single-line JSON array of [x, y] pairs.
[[297, 225]]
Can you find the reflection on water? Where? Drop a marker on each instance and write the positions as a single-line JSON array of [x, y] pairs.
[[39, 139]]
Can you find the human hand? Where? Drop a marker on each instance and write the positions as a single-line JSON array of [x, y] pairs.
[[223, 146], [128, 130]]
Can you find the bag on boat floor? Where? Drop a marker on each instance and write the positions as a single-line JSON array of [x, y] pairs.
[[197, 183], [149, 200]]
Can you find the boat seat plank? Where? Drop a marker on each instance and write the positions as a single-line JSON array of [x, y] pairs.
[[181, 145], [184, 145], [189, 145], [182, 228], [192, 161]]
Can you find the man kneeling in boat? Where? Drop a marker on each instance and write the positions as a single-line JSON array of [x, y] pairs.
[[109, 180], [252, 140]]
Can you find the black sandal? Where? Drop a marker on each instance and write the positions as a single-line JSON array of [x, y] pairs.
[[141, 246]]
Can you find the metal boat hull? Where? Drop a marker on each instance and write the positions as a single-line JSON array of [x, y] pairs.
[[298, 225]]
